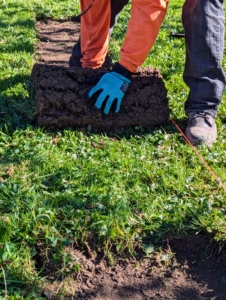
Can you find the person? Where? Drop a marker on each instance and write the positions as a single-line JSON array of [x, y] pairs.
[[203, 22], [143, 28], [116, 6]]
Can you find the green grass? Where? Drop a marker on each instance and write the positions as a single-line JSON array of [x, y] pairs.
[[75, 188]]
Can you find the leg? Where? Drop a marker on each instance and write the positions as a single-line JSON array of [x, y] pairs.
[[203, 22], [143, 28], [116, 8], [95, 33]]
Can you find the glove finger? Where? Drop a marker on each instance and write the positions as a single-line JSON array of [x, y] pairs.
[[86, 98], [105, 114], [118, 106], [93, 90], [100, 100], [108, 105], [114, 105]]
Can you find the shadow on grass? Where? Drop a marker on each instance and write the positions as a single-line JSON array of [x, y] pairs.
[[16, 105], [18, 45], [19, 23], [16, 109]]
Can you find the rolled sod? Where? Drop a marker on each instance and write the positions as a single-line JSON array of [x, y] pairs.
[[60, 93]]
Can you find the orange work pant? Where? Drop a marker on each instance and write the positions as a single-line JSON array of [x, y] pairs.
[[143, 28]]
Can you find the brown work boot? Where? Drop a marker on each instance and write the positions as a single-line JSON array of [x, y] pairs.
[[201, 129]]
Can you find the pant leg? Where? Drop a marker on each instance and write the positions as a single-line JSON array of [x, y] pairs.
[[203, 22], [94, 33], [76, 55], [143, 28]]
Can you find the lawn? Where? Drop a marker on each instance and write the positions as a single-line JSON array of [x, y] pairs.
[[57, 190]]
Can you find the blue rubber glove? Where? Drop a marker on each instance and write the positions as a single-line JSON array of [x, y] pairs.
[[113, 87]]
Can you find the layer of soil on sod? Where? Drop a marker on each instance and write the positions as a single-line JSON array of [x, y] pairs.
[[179, 268], [60, 100]]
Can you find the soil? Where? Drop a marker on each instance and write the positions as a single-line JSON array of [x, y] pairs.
[[181, 268], [60, 90], [56, 41]]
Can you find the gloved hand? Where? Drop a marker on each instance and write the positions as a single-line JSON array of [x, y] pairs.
[[112, 87]]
